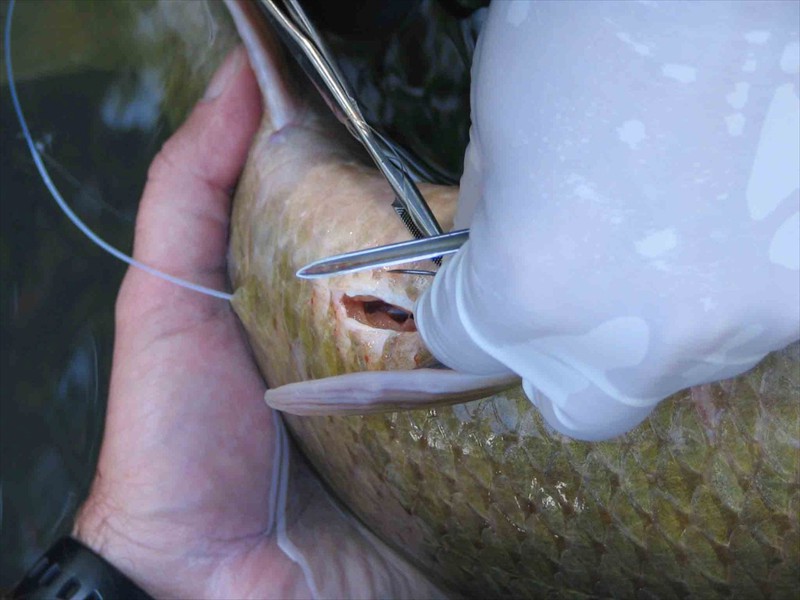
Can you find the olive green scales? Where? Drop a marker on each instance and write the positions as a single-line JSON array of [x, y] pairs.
[[701, 500]]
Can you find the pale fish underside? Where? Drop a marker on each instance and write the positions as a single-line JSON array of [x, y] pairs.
[[701, 500]]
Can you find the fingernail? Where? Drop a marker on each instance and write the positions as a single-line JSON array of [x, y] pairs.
[[224, 75]]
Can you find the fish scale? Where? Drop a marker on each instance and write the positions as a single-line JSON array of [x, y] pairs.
[[485, 497], [697, 538]]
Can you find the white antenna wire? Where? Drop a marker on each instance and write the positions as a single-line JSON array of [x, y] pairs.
[[37, 159]]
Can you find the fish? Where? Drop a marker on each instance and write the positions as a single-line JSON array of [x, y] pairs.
[[461, 476]]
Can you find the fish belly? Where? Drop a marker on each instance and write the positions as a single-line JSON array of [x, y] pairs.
[[701, 500]]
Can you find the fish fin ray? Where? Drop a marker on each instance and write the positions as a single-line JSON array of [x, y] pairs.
[[383, 391]]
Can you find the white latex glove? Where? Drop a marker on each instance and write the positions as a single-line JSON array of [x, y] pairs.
[[631, 186]]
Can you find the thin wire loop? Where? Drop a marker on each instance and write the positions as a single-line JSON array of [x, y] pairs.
[[37, 159]]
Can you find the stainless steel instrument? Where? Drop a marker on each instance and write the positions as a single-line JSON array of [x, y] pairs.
[[309, 49], [384, 256]]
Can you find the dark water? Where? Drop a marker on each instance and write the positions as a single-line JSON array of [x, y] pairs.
[[97, 130], [57, 300], [57, 313], [98, 120]]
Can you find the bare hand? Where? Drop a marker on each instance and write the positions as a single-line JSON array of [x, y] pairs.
[[181, 498]]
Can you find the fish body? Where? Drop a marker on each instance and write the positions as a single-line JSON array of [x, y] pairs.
[[319, 200], [701, 500]]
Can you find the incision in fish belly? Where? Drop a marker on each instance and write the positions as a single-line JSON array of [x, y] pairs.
[[374, 312]]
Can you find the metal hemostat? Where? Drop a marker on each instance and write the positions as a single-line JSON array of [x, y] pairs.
[[309, 49], [384, 256]]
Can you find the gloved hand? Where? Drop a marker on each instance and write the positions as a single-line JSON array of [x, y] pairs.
[[631, 186]]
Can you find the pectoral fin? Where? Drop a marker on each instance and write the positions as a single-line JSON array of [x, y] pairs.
[[383, 391]]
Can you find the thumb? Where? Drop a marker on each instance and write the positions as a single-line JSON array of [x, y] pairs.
[[182, 225]]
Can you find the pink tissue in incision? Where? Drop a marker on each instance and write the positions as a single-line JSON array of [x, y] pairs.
[[376, 313]]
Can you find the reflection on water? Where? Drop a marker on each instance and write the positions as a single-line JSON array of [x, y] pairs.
[[58, 290], [57, 301], [102, 84], [133, 103], [56, 324]]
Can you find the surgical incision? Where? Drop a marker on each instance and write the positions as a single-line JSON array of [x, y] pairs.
[[376, 313]]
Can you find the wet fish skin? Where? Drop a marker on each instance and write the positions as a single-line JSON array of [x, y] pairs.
[[319, 201], [701, 500]]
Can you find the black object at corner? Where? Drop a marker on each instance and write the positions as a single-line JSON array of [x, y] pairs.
[[360, 19], [71, 571]]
